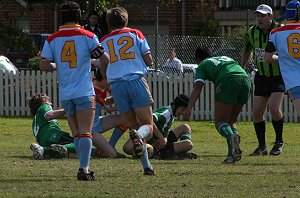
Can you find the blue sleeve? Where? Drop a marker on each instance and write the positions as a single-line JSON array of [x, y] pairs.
[[47, 52]]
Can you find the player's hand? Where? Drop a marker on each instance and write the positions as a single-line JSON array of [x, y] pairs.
[[161, 143], [187, 114]]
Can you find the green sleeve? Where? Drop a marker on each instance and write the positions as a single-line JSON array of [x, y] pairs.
[[200, 73], [247, 43]]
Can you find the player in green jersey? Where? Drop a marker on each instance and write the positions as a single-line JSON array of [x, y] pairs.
[[232, 90], [269, 85], [52, 141], [170, 144]]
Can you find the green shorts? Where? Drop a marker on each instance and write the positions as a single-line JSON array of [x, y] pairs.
[[233, 90], [50, 136]]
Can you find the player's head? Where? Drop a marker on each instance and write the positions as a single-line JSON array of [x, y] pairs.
[[70, 12], [180, 104], [202, 53], [35, 101], [117, 18], [292, 11]]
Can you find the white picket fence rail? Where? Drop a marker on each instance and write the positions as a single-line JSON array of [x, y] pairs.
[[164, 88]]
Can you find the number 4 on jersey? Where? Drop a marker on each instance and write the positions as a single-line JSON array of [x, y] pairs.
[[68, 54]]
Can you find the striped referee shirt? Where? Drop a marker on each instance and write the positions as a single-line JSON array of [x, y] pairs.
[[256, 40]]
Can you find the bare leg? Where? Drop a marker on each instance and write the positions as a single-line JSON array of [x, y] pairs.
[[101, 143]]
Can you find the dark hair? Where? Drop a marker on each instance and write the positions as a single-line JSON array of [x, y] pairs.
[[202, 52], [70, 12], [94, 13], [35, 101], [180, 101], [117, 17]]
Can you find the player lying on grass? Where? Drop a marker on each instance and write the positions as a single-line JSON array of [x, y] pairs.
[[52, 142], [169, 144], [232, 89]]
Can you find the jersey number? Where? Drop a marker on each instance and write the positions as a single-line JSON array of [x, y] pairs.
[[68, 54], [294, 45], [122, 51]]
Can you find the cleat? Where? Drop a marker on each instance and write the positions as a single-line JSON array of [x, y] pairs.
[[259, 151], [277, 148], [148, 171], [138, 144], [37, 151], [235, 145], [229, 160], [81, 176], [188, 155], [60, 150]]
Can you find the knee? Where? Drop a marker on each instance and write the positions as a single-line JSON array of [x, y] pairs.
[[189, 145], [186, 128]]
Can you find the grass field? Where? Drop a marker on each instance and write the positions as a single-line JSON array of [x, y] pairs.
[[268, 176]]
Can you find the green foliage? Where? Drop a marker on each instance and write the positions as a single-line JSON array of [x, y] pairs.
[[239, 31], [15, 38], [203, 20], [267, 176], [34, 63]]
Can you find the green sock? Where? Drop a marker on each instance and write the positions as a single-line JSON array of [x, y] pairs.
[[225, 130], [70, 147]]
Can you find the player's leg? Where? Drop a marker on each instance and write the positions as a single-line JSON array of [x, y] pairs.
[[85, 116], [275, 102], [104, 147], [261, 97], [117, 134], [173, 146]]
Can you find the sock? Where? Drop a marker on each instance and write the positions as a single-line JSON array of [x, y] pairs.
[[278, 127], [186, 136], [117, 133], [71, 147], [76, 142], [171, 137], [260, 129], [145, 131], [145, 160], [225, 130], [85, 149], [168, 151]]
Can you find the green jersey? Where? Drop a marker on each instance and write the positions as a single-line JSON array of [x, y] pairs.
[[164, 119], [218, 68], [256, 40], [40, 124]]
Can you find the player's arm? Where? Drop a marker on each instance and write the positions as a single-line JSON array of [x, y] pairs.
[[193, 98], [148, 59], [46, 65], [269, 55], [50, 115], [161, 142], [245, 58], [99, 53]]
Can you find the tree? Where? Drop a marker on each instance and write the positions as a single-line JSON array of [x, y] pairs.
[[203, 19]]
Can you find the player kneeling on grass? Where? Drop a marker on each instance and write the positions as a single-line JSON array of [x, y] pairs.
[[165, 141], [232, 91], [52, 141]]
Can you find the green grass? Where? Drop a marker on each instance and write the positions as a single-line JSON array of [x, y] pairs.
[[268, 176]]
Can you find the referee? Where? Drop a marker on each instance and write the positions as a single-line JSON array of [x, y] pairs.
[[269, 86]]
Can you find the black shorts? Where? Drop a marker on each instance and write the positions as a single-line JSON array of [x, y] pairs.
[[265, 86]]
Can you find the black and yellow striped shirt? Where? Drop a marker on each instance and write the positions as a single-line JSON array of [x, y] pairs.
[[256, 40]]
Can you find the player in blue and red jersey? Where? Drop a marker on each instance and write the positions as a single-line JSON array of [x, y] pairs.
[[71, 49], [129, 57], [285, 41]]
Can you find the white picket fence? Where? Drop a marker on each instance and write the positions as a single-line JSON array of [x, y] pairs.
[[164, 88]]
